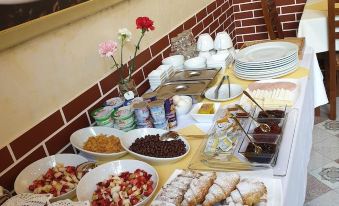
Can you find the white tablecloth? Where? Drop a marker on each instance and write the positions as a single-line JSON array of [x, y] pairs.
[[314, 26], [294, 183]]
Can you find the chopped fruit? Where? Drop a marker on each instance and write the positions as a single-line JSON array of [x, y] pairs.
[[57, 181], [124, 189]]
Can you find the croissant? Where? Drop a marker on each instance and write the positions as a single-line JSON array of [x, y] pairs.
[[222, 187], [248, 192], [198, 189]]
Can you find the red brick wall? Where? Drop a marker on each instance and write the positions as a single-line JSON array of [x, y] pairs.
[[250, 24], [242, 19]]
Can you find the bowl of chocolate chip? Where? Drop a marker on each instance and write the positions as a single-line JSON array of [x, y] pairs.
[[145, 145]]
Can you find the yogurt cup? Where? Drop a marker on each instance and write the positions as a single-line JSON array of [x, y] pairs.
[[102, 113], [161, 125], [157, 110], [125, 123], [123, 112], [141, 111], [115, 102]]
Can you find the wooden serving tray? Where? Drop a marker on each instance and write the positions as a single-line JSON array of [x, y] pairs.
[[300, 42]]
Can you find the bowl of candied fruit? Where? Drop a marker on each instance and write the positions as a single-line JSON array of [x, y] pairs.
[[57, 175]]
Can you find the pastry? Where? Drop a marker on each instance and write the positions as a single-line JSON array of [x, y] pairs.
[[248, 192], [222, 187], [198, 189], [173, 193]]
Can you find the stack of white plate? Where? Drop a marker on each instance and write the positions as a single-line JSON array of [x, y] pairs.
[[266, 61], [160, 75], [219, 60]]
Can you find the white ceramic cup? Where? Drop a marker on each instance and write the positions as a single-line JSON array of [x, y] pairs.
[[205, 54], [195, 63], [205, 42], [174, 60], [223, 41]]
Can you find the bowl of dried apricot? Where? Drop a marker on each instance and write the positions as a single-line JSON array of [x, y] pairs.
[[100, 143]]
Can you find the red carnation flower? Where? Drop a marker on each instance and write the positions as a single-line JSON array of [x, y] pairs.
[[144, 23]]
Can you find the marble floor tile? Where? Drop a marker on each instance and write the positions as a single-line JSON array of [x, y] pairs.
[[328, 199], [322, 125], [320, 134], [328, 148], [317, 160], [328, 174], [315, 188]]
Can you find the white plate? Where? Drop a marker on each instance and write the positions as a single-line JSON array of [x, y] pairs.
[[40, 167], [264, 52], [266, 71], [204, 118], [236, 90], [269, 73], [87, 184], [267, 63], [267, 76], [79, 138], [273, 186], [264, 66], [132, 135]]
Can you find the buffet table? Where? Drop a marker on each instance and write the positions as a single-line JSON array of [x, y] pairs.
[[314, 26], [294, 182]]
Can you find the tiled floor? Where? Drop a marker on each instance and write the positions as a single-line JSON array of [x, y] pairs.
[[323, 169]]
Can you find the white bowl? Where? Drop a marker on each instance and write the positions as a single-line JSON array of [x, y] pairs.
[[79, 138], [184, 105], [195, 62], [205, 42], [132, 135], [40, 167], [174, 60], [236, 90], [204, 118], [223, 41], [87, 184]]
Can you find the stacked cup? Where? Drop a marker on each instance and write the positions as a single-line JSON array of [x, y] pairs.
[[224, 44], [124, 118], [158, 114], [142, 115], [205, 45]]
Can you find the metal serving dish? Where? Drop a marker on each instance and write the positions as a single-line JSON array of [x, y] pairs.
[[195, 89], [189, 75]]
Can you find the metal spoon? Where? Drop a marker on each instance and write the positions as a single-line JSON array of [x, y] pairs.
[[263, 127], [169, 136], [257, 148], [172, 135], [216, 92], [251, 98]]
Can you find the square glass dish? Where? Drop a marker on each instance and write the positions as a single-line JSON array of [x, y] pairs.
[[225, 134]]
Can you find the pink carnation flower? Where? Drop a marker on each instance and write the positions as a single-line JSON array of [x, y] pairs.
[[108, 48]]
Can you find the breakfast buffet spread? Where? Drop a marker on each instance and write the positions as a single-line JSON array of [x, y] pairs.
[[249, 124]]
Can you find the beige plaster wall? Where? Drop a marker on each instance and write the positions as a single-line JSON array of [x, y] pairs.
[[43, 74]]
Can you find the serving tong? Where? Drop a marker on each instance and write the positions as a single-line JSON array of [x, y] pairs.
[[257, 148]]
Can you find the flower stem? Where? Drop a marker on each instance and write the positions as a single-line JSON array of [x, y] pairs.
[[137, 47], [117, 66], [121, 60]]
